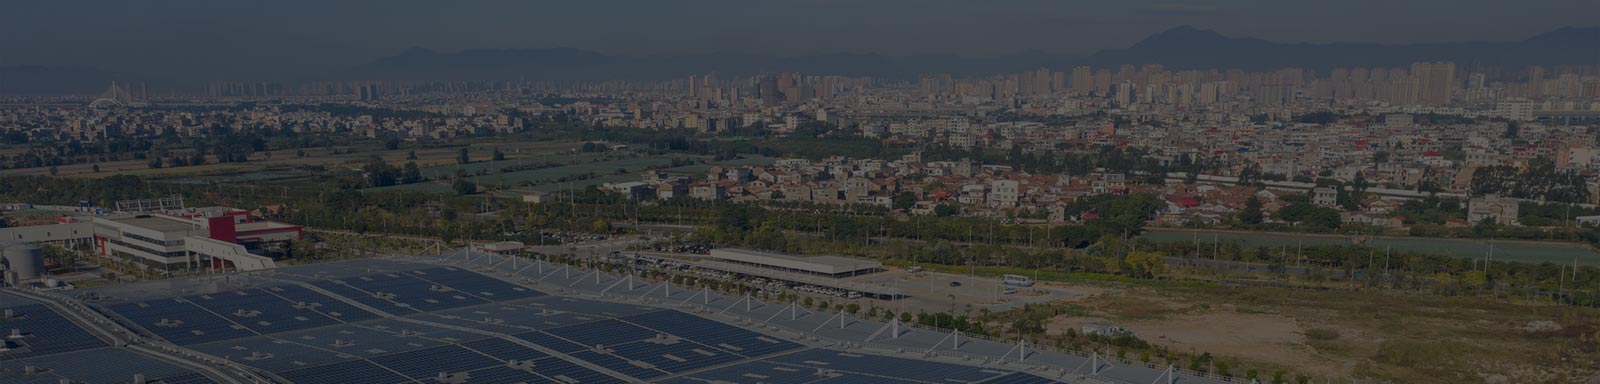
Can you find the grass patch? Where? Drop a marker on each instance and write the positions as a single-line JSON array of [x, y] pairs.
[[1322, 334]]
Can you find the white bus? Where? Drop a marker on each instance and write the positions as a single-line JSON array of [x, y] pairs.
[[1017, 280]]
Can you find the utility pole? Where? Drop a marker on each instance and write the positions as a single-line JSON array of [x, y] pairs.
[[1386, 262]]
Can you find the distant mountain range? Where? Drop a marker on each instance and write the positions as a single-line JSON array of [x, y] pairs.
[[1188, 48], [1177, 48], [577, 64]]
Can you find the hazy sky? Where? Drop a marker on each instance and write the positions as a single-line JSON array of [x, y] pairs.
[[288, 36]]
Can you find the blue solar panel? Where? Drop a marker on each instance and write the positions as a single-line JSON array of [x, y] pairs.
[[852, 378], [590, 307], [365, 298], [353, 372], [674, 358], [198, 325], [415, 293], [617, 364], [505, 375], [106, 365], [261, 311], [278, 354], [326, 305], [505, 350], [472, 283], [712, 333], [604, 332], [548, 341], [420, 331], [363, 338], [430, 362], [475, 318], [14, 377], [751, 373], [558, 369], [1020, 378], [46, 332], [544, 371]]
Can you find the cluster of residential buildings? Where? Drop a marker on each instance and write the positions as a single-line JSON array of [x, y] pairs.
[[1408, 131], [780, 102], [998, 191]]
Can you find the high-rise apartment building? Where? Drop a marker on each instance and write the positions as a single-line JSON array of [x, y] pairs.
[[1436, 81], [1082, 79]]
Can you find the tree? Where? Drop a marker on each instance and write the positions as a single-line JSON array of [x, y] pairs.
[[463, 187], [1251, 214], [1474, 279], [946, 210], [411, 173], [905, 200], [412, 155], [462, 157], [1309, 214], [379, 173], [1147, 264], [498, 155], [96, 168]]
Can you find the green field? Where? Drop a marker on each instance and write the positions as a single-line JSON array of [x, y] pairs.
[[748, 160], [549, 179], [1522, 251], [542, 179], [493, 167], [580, 184]]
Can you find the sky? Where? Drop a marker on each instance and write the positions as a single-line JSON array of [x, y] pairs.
[[251, 38]]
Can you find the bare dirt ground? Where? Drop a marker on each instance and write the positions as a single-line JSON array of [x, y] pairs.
[[1349, 336], [1266, 338]]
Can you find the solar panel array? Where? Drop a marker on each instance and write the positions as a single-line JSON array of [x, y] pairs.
[[42, 332], [394, 322], [57, 349]]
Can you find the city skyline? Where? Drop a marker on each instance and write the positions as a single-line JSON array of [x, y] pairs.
[[282, 38], [1178, 48]]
